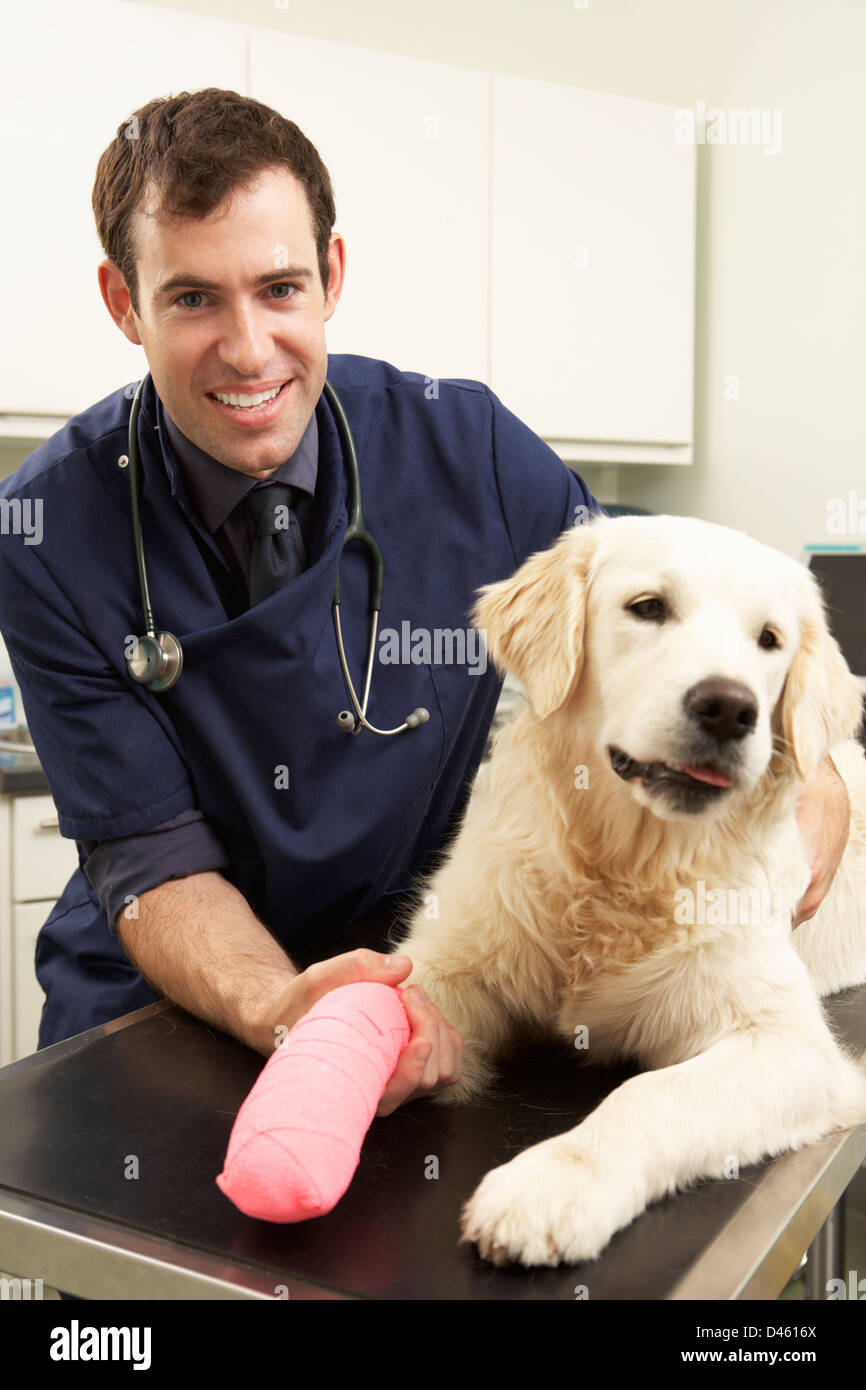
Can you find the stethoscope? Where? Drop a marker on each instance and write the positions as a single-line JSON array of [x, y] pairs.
[[157, 658]]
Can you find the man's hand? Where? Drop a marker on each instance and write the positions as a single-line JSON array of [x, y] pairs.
[[823, 817], [432, 1058]]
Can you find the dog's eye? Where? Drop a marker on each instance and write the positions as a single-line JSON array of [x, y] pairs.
[[652, 608], [768, 640]]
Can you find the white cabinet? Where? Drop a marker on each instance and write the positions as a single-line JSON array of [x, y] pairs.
[[27, 922], [406, 144], [36, 863], [592, 303], [532, 235], [78, 73], [41, 859]]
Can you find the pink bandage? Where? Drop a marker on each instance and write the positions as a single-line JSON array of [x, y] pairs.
[[297, 1138]]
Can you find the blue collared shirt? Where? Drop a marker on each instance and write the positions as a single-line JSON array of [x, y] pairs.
[[122, 869], [218, 493]]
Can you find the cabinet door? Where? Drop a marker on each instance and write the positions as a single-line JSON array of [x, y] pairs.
[[42, 860], [27, 922], [593, 231], [78, 73], [406, 144]]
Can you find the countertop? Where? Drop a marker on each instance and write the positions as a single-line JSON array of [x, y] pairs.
[[165, 1087], [21, 773]]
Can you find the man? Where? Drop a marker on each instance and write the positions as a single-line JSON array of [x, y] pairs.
[[229, 828]]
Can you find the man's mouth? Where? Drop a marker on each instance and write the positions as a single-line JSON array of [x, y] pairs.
[[259, 406], [706, 776]]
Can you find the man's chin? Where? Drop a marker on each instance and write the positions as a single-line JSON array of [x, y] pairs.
[[254, 457]]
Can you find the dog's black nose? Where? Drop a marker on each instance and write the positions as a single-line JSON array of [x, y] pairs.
[[723, 708]]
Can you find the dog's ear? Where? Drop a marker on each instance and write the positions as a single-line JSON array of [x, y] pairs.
[[821, 703], [534, 621]]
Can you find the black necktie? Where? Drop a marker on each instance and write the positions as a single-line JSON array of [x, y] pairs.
[[277, 553]]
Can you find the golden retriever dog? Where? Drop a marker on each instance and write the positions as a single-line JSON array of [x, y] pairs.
[[628, 867]]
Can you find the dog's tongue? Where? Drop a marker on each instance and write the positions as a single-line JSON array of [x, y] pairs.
[[708, 774]]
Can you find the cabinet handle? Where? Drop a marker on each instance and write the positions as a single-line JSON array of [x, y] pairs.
[[50, 823]]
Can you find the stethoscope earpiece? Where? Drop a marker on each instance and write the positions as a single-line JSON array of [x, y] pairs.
[[346, 721]]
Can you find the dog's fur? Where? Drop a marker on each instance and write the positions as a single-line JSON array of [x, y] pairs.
[[560, 906]]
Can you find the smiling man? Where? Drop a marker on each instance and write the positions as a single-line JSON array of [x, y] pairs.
[[239, 853], [237, 354]]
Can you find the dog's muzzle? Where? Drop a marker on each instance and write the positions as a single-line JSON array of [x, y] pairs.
[[690, 787]]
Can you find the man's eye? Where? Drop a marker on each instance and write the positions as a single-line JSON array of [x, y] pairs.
[[281, 285], [651, 608]]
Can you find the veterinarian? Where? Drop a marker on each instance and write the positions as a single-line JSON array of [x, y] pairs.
[[229, 828]]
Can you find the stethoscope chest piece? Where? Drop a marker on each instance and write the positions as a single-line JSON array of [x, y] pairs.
[[157, 661]]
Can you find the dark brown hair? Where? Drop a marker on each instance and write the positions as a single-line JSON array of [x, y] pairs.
[[196, 148]]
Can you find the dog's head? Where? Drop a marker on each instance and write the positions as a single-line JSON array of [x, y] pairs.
[[688, 654]]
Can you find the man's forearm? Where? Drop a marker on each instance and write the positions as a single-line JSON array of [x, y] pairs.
[[198, 942], [823, 819]]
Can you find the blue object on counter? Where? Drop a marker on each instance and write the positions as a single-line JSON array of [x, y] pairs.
[[7, 706]]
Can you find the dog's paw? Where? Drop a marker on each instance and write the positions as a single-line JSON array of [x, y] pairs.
[[547, 1206], [459, 1092], [477, 1073], [452, 1095]]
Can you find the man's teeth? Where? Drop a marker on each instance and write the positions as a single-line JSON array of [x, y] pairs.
[[248, 401]]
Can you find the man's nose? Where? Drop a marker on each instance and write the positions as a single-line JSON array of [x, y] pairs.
[[245, 343], [725, 709]]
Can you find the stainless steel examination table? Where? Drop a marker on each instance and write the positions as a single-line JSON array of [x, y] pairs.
[[162, 1086]]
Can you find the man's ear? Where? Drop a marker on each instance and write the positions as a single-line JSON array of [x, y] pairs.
[[821, 703], [534, 622]]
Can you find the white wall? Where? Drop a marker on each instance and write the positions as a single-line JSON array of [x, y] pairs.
[[781, 290], [781, 286], [780, 277]]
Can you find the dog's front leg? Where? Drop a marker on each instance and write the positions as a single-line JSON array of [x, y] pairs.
[[749, 1096], [476, 1011]]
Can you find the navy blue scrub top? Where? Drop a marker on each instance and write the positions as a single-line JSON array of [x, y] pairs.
[[318, 826]]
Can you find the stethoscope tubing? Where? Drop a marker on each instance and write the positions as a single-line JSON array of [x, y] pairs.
[[132, 460], [164, 660]]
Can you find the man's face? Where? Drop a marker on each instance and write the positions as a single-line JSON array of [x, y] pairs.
[[234, 304]]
